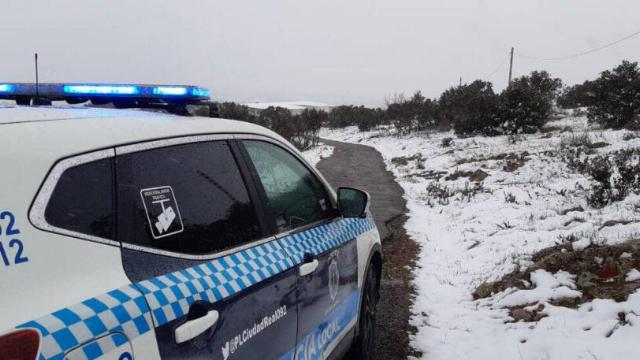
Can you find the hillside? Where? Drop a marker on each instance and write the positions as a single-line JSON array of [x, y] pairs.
[[515, 262]]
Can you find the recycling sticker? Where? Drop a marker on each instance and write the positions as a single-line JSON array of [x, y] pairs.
[[162, 211]]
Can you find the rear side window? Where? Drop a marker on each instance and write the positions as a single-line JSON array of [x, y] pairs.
[[82, 200], [296, 196], [189, 199]]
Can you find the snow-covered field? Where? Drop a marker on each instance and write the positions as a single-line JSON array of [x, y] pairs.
[[472, 232]]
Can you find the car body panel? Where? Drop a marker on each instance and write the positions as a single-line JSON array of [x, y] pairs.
[[75, 291], [327, 307]]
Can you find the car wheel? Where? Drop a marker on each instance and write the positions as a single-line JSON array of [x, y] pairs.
[[364, 346]]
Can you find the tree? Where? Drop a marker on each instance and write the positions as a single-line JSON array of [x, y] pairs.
[[235, 111], [427, 115], [577, 95], [307, 127], [471, 108], [527, 104], [278, 119], [417, 113], [616, 97], [342, 116]]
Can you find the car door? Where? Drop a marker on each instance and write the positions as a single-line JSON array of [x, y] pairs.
[[319, 241], [195, 243], [92, 309]]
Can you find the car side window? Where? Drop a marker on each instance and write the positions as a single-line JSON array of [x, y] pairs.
[[189, 199], [295, 195], [82, 200]]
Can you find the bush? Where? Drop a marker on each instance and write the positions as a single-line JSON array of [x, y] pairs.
[[307, 127], [617, 174], [235, 111], [616, 97], [576, 141], [278, 119], [447, 142], [349, 115], [415, 114], [527, 104], [341, 116], [576, 96], [371, 118], [301, 130], [400, 115], [470, 108], [427, 115]]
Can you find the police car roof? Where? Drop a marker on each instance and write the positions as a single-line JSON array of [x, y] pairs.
[[69, 130]]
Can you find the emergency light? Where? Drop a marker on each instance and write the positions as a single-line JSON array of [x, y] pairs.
[[100, 89], [74, 92], [6, 88]]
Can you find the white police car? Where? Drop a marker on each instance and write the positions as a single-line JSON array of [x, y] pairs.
[[128, 234]]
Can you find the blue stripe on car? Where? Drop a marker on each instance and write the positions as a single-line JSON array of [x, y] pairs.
[[169, 296], [318, 341]]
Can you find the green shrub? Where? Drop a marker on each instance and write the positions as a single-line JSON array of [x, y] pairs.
[[350, 115], [616, 97], [616, 174], [301, 130], [576, 96], [235, 111], [526, 105], [471, 108]]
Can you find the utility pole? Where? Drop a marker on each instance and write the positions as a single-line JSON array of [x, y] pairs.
[[37, 91], [511, 65], [460, 84]]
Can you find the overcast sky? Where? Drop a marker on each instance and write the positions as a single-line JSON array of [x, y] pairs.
[[336, 51]]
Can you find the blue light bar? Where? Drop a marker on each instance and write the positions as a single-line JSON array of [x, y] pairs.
[[131, 94], [101, 89], [6, 88], [200, 92], [170, 90]]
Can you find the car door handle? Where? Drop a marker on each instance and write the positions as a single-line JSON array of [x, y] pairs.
[[308, 267], [195, 327]]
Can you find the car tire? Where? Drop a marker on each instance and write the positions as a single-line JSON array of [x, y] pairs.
[[364, 345]]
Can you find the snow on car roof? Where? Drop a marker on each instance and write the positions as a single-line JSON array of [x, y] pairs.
[[60, 131], [11, 114]]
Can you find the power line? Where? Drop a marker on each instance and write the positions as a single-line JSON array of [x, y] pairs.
[[580, 53], [488, 77]]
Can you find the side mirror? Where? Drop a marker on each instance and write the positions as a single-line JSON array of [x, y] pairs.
[[353, 203]]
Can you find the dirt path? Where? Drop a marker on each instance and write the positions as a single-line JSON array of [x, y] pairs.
[[363, 167]]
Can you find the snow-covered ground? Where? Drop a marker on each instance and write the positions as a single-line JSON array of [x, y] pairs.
[[317, 153], [476, 232]]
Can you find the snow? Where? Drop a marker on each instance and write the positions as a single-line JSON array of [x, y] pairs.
[[482, 233], [291, 105], [581, 244], [317, 153], [11, 113], [265, 105], [547, 287], [633, 275]]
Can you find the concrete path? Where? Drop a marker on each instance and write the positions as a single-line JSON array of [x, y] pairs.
[[362, 167]]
